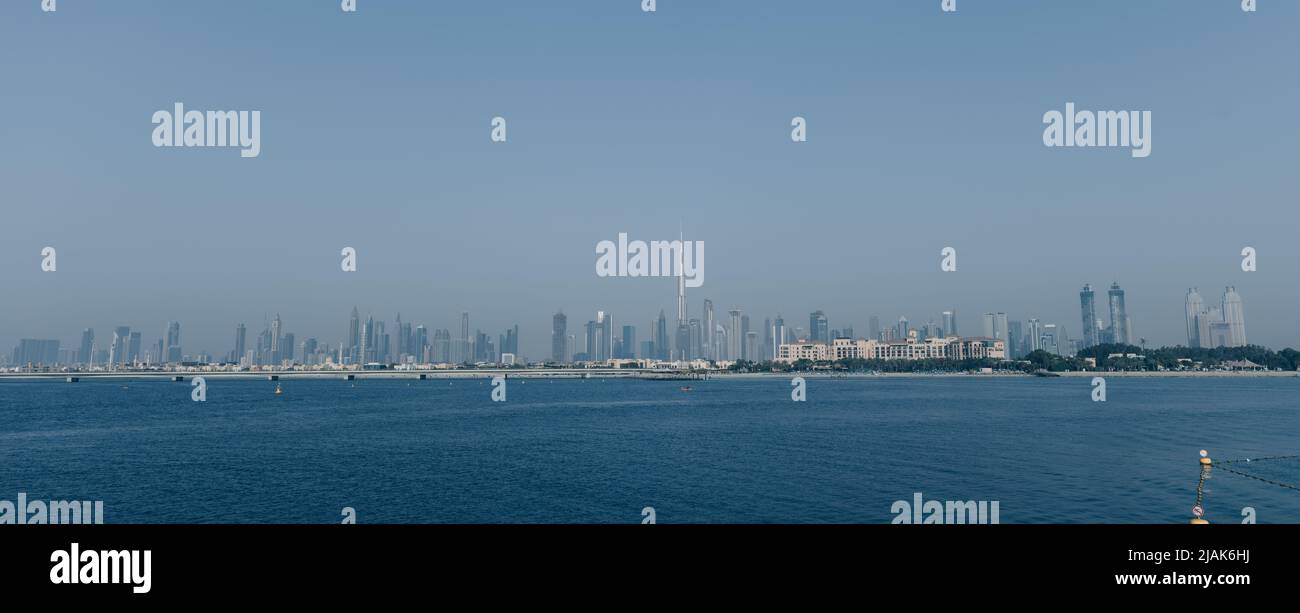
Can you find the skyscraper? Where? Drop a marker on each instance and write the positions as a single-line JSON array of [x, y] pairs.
[[734, 338], [1035, 335], [1194, 309], [950, 323], [559, 331], [779, 335], [1088, 307], [1015, 338], [1119, 323], [117, 351], [1216, 326], [818, 327], [662, 349], [277, 332], [173, 344], [1235, 316], [591, 341], [873, 326], [354, 337], [133, 348], [710, 349], [629, 342], [84, 353], [241, 333], [995, 325], [465, 354]]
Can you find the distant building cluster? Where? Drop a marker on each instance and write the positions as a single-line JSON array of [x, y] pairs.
[[1222, 325]]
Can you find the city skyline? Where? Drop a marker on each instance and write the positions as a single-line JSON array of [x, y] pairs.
[[370, 341]]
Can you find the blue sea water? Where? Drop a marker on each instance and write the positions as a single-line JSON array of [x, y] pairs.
[[600, 450]]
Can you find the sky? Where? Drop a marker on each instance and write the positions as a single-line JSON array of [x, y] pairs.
[[924, 131]]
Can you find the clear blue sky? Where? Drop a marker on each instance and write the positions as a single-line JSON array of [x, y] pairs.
[[924, 131]]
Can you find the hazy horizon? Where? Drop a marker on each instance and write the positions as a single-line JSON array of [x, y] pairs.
[[924, 131]]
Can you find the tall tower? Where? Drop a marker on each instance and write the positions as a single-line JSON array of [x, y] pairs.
[[1088, 307], [734, 336], [559, 333], [818, 327], [276, 327], [1235, 316], [354, 337], [241, 336], [1119, 324], [1195, 311], [710, 351], [681, 281]]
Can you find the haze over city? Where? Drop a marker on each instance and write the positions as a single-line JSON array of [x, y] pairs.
[[919, 138]]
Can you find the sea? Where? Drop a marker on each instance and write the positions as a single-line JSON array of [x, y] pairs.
[[726, 450]]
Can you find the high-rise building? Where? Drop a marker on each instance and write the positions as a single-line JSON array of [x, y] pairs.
[[1194, 309], [1235, 316], [818, 327], [171, 352], [277, 332], [662, 349], [950, 323], [1088, 307], [1015, 337], [734, 338], [1119, 322], [629, 342], [287, 347], [465, 352], [779, 336], [241, 333], [708, 342], [117, 353], [85, 353], [682, 342], [442, 346], [1217, 326], [606, 349], [873, 327], [354, 338], [1035, 335], [995, 326], [133, 348], [559, 333], [511, 343], [766, 351], [745, 353], [591, 340], [36, 352]]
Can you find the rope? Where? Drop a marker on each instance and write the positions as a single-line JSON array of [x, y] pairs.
[[1249, 476], [1249, 460]]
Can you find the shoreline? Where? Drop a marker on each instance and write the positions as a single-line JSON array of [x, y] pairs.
[[611, 374]]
